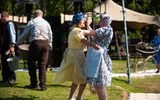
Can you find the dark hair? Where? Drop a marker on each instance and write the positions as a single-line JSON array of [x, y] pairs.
[[4, 13]]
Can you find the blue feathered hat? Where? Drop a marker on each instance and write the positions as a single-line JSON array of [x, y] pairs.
[[77, 17]]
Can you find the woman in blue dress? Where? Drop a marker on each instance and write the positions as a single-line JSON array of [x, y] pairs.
[[98, 62], [156, 43]]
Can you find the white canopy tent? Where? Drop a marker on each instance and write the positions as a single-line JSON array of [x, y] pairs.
[[134, 19]]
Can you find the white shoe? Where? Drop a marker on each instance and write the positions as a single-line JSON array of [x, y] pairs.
[[71, 99]]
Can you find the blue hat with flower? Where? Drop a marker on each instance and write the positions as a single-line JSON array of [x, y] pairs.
[[77, 17]]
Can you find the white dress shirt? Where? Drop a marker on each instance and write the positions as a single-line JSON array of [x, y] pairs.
[[36, 29]]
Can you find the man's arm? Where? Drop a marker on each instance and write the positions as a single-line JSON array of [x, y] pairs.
[[23, 35], [12, 32]]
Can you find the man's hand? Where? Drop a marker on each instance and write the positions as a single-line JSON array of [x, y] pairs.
[[10, 51]]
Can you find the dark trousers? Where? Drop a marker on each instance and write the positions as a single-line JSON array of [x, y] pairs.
[[37, 58], [7, 72]]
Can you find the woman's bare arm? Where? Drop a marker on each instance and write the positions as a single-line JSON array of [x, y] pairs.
[[87, 43]]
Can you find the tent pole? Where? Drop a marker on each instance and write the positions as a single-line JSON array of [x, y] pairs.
[[126, 38]]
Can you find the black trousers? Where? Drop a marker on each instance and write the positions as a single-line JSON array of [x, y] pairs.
[[37, 58], [7, 72]]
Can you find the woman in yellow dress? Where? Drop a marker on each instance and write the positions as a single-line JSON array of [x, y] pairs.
[[72, 66]]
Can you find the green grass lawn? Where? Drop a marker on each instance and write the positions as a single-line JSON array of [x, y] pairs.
[[120, 66], [54, 91], [116, 91]]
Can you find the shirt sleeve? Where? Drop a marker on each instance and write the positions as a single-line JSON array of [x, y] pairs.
[[156, 41], [84, 32], [50, 35], [12, 32], [24, 34], [79, 35]]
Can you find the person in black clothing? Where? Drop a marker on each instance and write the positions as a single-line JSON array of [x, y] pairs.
[[8, 40]]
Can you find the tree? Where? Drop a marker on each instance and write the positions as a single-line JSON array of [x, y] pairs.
[[6, 5], [54, 7]]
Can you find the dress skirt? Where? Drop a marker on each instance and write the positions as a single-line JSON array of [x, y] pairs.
[[104, 75], [72, 67]]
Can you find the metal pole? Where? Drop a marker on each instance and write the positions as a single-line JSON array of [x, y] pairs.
[[126, 38]]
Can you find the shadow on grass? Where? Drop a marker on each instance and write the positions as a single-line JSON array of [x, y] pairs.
[[16, 86], [23, 87], [120, 80], [57, 85], [7, 85], [19, 98]]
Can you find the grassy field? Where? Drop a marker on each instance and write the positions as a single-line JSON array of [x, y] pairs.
[[120, 66], [117, 91]]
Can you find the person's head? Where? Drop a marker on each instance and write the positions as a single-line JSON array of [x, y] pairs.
[[104, 20], [38, 13], [4, 16], [158, 31], [79, 19]]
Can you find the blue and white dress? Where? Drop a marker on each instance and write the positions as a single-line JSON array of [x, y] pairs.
[[98, 62]]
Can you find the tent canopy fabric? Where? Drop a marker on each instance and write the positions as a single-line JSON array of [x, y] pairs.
[[134, 19]]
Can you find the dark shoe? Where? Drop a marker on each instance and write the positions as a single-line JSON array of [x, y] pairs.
[[31, 86], [157, 71], [43, 88]]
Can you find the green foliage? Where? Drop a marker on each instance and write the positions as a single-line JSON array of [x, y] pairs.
[[135, 6], [6, 5], [89, 5], [155, 6], [144, 6], [135, 34], [19, 9], [54, 7]]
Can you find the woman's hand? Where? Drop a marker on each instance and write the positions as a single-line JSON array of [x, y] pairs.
[[88, 21], [96, 46]]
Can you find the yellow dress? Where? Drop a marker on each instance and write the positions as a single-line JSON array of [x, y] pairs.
[[72, 65]]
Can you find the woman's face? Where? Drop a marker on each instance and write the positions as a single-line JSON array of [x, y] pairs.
[[158, 32], [81, 23], [102, 23]]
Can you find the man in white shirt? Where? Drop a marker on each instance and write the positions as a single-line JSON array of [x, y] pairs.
[[40, 36]]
